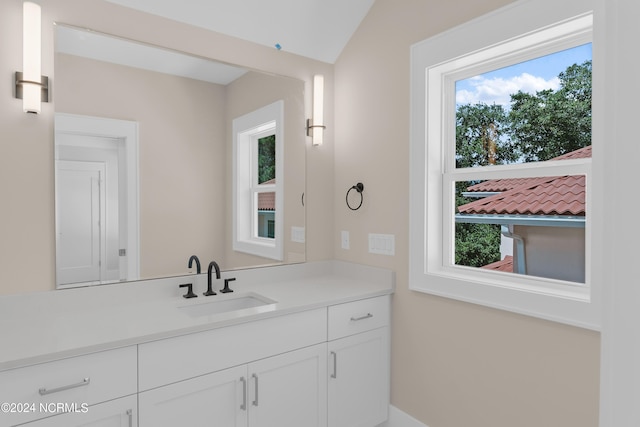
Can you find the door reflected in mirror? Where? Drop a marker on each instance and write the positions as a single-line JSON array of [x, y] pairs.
[[96, 167]]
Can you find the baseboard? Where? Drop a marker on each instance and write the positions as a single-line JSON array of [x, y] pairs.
[[398, 418]]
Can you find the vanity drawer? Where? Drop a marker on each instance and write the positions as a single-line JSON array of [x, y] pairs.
[[358, 316], [82, 380]]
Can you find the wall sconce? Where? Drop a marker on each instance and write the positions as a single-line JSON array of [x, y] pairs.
[[31, 86], [315, 126]]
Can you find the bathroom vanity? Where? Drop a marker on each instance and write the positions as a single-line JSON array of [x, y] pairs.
[[311, 350]]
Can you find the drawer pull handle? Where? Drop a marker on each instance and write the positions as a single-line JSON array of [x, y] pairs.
[[243, 380], [130, 415], [366, 316], [335, 365], [255, 401], [43, 391]]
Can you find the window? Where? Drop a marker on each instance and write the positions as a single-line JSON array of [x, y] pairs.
[[536, 112], [501, 188], [258, 179]]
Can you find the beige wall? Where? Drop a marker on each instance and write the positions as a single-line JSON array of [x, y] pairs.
[[27, 245], [453, 364]]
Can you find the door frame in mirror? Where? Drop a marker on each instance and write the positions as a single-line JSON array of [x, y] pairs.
[[126, 131]]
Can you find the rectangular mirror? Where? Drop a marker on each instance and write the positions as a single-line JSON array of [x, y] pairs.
[[144, 153]]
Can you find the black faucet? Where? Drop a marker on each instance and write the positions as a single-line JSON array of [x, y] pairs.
[[226, 288], [195, 258], [189, 293], [212, 265]]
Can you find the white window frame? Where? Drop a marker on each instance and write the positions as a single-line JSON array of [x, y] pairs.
[[247, 130], [524, 30]]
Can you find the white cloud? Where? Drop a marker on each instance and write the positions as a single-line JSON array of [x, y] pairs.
[[498, 90]]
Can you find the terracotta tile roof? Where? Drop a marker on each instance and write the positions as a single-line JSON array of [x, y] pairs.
[[267, 201], [505, 264], [582, 153], [496, 185], [557, 195]]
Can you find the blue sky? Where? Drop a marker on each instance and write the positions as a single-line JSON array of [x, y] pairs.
[[531, 76]]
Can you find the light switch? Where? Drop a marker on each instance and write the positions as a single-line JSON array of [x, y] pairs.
[[345, 239]]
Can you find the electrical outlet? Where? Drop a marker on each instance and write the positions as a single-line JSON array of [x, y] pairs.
[[345, 239]]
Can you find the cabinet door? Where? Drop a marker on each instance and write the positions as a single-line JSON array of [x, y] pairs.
[[212, 400], [116, 413], [289, 390], [359, 379]]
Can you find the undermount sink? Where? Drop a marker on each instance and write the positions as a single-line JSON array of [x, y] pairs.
[[228, 304]]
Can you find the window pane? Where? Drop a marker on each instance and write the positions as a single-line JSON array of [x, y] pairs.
[[267, 214], [528, 112], [532, 226], [266, 159]]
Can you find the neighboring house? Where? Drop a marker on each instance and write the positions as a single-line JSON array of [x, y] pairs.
[[544, 218], [267, 212]]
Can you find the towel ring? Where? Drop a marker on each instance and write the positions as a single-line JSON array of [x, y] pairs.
[[359, 187]]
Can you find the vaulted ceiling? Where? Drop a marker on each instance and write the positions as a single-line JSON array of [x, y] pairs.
[[317, 29]]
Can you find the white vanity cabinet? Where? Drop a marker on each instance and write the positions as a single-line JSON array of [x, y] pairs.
[[288, 390], [76, 385], [319, 357], [265, 373], [358, 365]]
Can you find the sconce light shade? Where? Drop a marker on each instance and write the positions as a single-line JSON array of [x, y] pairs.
[[315, 127], [31, 86]]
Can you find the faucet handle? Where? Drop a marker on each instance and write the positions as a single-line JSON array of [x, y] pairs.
[[226, 288], [189, 293]]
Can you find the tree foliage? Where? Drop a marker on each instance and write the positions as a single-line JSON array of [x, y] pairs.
[[551, 123], [477, 244], [480, 136], [266, 158]]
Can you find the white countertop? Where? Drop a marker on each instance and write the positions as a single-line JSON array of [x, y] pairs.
[[46, 326]]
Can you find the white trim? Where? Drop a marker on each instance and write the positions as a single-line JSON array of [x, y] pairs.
[[245, 129], [508, 33], [399, 418], [127, 131], [617, 33]]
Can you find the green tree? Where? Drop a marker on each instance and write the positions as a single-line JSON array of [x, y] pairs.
[[480, 136], [266, 158], [551, 123], [477, 244]]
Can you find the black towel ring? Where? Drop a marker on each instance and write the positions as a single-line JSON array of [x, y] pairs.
[[359, 187]]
